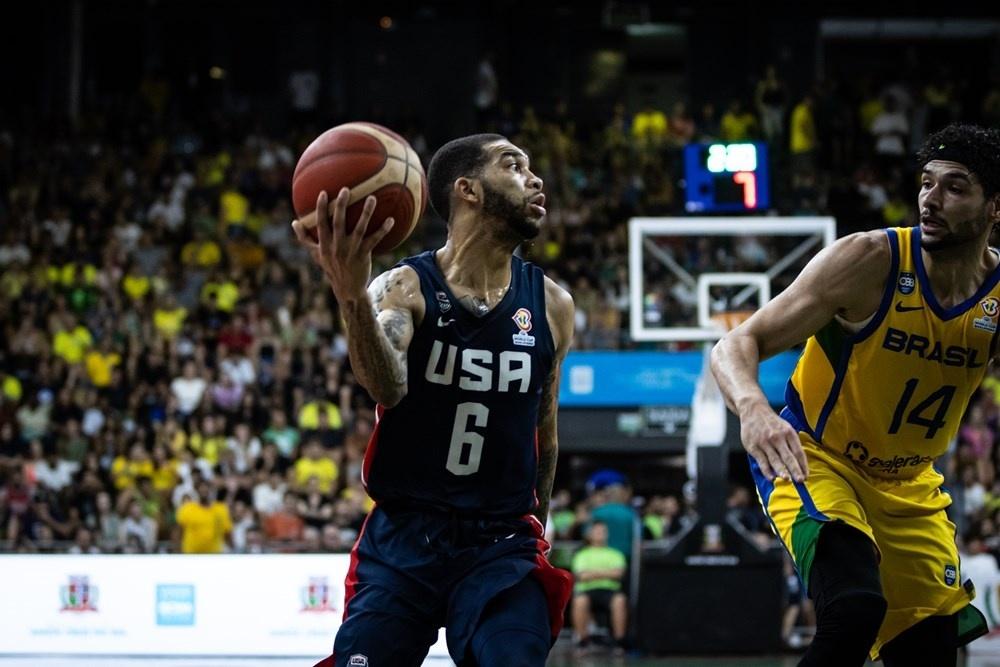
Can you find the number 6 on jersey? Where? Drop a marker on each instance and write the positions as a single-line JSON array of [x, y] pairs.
[[461, 437]]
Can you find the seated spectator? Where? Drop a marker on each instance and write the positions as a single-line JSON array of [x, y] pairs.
[[125, 470], [100, 362], [314, 463], [83, 542], [314, 507], [140, 526], [283, 435], [188, 389], [54, 472], [268, 496], [169, 317], [226, 394], [107, 524], [207, 443], [598, 570], [70, 339], [243, 523], [285, 524]]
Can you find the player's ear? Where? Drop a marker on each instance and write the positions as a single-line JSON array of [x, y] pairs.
[[468, 190]]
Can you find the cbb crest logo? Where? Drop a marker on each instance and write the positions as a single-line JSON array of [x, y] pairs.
[[907, 282], [991, 306]]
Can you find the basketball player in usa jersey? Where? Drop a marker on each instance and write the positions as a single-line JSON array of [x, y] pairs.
[[461, 348], [901, 326]]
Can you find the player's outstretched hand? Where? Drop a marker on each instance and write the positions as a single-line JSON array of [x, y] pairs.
[[345, 257], [774, 444]]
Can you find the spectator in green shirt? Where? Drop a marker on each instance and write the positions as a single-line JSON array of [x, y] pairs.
[[599, 570]]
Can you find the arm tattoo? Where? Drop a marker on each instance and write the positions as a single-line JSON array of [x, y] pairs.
[[548, 443], [375, 343]]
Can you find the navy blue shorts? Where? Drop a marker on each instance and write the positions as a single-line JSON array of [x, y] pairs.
[[414, 571]]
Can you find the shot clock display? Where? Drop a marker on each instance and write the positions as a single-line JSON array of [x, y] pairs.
[[726, 178]]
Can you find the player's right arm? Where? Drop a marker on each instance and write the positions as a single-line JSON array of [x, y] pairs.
[[380, 318], [379, 330], [846, 279]]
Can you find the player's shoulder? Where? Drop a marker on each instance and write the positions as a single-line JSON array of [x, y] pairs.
[[557, 298], [399, 285], [868, 247]]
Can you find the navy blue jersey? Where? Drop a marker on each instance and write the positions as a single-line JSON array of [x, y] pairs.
[[464, 437]]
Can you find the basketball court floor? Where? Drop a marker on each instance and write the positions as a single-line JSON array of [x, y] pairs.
[[560, 658]]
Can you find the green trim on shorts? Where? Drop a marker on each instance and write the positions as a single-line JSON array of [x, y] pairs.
[[805, 535], [971, 624]]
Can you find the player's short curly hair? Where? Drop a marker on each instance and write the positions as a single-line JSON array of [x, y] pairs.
[[457, 158], [978, 148]]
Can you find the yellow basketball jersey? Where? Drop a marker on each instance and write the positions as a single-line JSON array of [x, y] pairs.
[[890, 397]]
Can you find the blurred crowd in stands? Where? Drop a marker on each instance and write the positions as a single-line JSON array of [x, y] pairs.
[[173, 371]]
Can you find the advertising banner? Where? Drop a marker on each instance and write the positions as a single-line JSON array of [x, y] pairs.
[[232, 605]]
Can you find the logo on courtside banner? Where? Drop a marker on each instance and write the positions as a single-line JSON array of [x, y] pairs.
[[907, 282], [79, 595], [950, 574], [316, 596], [175, 604], [522, 318]]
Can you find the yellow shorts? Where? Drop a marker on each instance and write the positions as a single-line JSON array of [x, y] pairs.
[[905, 518]]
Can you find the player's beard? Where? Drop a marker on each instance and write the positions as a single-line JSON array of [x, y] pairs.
[[496, 205], [969, 231]]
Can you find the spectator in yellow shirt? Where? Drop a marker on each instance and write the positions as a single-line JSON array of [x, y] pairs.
[[169, 317], [309, 415], [221, 293], [10, 387], [208, 443], [802, 140], [71, 341], [126, 469], [201, 252], [135, 284], [737, 124], [315, 464], [205, 523], [99, 364], [234, 208], [649, 126]]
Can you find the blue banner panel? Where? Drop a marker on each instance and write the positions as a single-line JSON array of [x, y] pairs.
[[606, 379]]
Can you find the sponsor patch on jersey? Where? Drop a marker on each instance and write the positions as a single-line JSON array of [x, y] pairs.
[[907, 282], [522, 318], [987, 324], [950, 574], [443, 302], [991, 306], [358, 660]]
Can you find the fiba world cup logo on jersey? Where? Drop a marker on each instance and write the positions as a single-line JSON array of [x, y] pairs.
[[316, 596], [79, 595], [522, 318], [988, 322]]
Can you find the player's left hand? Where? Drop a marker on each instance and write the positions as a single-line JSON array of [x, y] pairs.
[[345, 257]]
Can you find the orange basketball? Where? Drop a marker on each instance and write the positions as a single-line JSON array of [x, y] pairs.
[[370, 160]]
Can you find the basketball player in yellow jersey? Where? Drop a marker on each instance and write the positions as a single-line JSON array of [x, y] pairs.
[[901, 325]]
